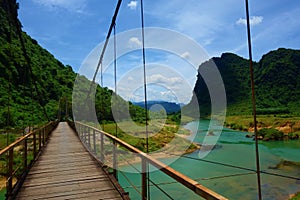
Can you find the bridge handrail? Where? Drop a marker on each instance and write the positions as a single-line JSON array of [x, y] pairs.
[[181, 178], [21, 139], [43, 134]]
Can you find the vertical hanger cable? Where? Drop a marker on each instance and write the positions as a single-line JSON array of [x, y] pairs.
[[253, 102]]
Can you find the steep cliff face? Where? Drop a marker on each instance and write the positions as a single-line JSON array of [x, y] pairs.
[[277, 83]]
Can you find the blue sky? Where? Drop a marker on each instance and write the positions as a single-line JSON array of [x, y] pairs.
[[71, 29]]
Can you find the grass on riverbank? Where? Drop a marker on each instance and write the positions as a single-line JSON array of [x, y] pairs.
[[285, 123], [270, 127], [160, 134]]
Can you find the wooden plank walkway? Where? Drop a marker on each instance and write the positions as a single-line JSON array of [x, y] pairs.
[[65, 170]]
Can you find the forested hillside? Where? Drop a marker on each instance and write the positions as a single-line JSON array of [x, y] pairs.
[[33, 83], [277, 83], [31, 79]]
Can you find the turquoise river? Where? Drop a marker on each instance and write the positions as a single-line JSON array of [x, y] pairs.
[[232, 148]]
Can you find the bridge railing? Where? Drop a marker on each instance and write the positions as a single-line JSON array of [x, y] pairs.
[[96, 142], [17, 158]]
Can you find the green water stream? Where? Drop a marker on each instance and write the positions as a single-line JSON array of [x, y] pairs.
[[233, 148]]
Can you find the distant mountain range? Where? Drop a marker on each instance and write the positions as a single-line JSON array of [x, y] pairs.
[[169, 107], [277, 83]]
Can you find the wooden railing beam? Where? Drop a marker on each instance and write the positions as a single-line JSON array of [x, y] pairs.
[[10, 187], [181, 178]]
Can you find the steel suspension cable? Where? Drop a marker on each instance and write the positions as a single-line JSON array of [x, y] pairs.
[[155, 184], [158, 186], [253, 101], [112, 24], [116, 102], [144, 74], [115, 76], [10, 64], [25, 54], [236, 167], [252, 171], [127, 179], [10, 19], [145, 93], [131, 183], [204, 179], [214, 162]]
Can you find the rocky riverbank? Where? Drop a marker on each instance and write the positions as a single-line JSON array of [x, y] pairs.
[[269, 127]]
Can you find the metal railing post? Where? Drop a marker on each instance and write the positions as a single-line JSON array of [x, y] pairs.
[[89, 137], [44, 136], [25, 153], [77, 127], [94, 141], [84, 134], [40, 139], [115, 172], [80, 132], [102, 148], [34, 145], [10, 172], [144, 179]]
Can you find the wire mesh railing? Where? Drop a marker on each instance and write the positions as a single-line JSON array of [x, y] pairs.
[[115, 153]]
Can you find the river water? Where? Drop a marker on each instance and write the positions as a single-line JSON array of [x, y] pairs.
[[233, 149]]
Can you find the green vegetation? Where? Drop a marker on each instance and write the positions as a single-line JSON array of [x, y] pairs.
[[160, 134], [35, 81], [277, 84], [270, 134], [268, 125], [296, 196], [27, 86], [277, 90], [7, 137]]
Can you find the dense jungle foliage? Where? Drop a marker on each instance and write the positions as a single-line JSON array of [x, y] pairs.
[[34, 85]]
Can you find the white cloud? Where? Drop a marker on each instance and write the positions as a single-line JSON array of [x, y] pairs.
[[135, 42], [185, 55], [130, 78], [200, 20], [132, 5], [207, 41], [74, 5], [254, 20], [158, 78]]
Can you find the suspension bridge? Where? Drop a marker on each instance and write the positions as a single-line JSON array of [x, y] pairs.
[[74, 160], [60, 162]]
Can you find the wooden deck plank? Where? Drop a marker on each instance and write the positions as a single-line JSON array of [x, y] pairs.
[[72, 187], [69, 169], [65, 170], [86, 194]]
